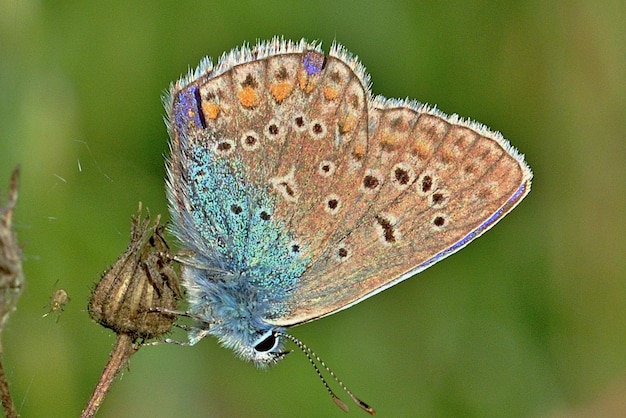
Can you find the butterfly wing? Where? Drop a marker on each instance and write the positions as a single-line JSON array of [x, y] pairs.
[[240, 132], [438, 184], [294, 175], [407, 187]]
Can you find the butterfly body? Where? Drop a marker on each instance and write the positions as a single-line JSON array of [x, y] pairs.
[[299, 194]]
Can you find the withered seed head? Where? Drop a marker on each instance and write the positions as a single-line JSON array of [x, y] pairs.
[[134, 295]]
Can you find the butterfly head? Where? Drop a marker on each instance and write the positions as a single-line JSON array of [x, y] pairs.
[[269, 349], [266, 350]]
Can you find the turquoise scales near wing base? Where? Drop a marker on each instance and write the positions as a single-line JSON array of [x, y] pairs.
[[245, 264], [301, 194]]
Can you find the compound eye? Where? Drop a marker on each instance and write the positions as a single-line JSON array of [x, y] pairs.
[[267, 343]]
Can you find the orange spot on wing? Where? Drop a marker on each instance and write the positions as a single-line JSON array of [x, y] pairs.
[[248, 97], [305, 81], [348, 124], [280, 91], [359, 152], [390, 141], [210, 110], [331, 93], [422, 149]]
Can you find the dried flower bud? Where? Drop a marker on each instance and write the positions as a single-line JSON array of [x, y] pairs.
[[135, 294], [11, 274]]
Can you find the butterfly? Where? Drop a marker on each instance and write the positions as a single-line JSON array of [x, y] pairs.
[[297, 193]]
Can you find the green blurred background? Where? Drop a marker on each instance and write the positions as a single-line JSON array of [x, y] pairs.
[[528, 321]]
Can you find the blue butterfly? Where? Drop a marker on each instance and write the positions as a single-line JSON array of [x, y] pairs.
[[299, 194]]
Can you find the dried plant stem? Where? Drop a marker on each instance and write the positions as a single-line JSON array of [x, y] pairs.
[[11, 280], [7, 400], [124, 348]]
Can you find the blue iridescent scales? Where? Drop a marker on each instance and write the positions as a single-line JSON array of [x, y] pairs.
[[300, 194]]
